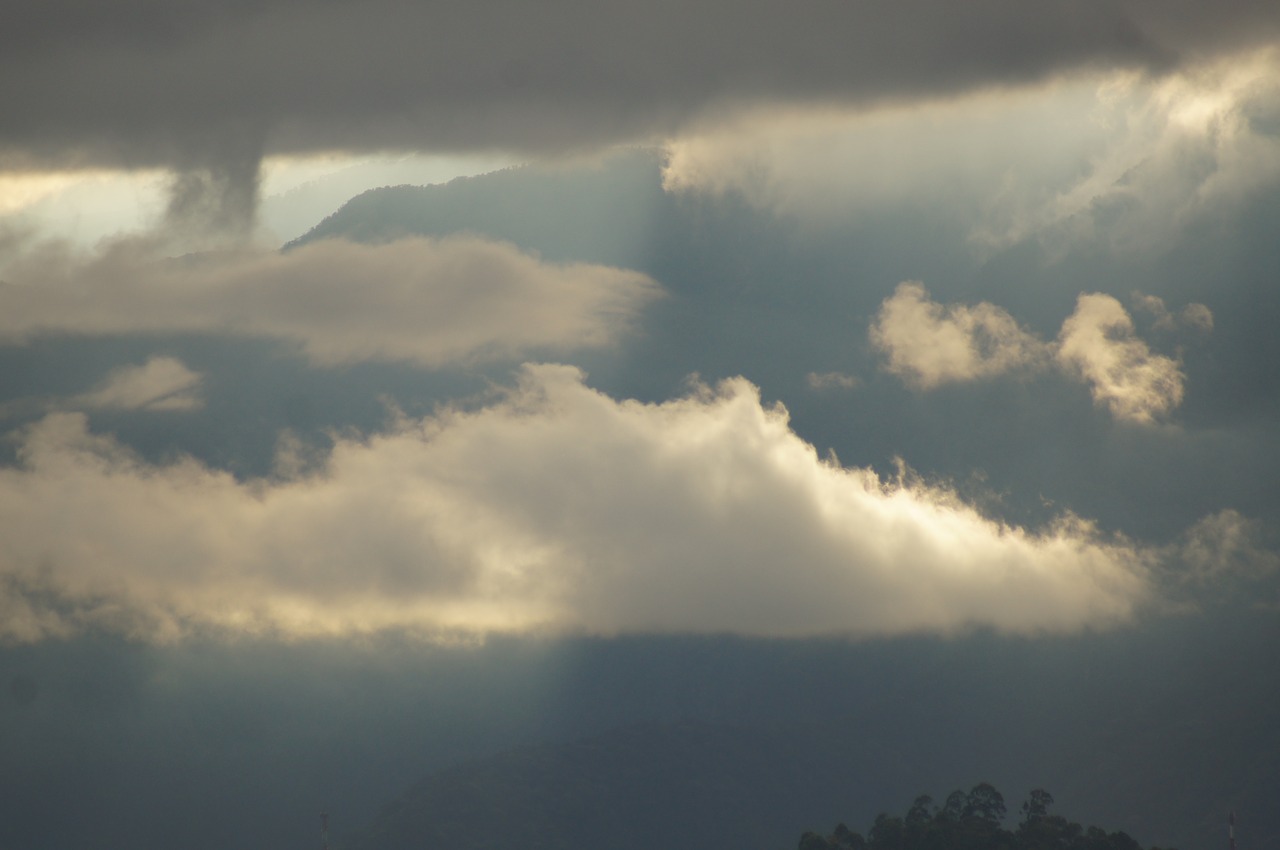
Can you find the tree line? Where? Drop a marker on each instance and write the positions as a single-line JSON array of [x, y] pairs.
[[972, 821]]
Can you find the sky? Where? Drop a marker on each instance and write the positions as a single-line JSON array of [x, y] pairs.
[[866, 321]]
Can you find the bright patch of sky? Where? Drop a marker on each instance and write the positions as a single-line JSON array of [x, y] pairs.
[[299, 191], [296, 192]]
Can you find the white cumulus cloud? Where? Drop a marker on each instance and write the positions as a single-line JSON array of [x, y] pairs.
[[1098, 343], [928, 344], [555, 507]]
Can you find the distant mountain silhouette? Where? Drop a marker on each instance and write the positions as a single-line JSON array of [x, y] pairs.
[[726, 266], [603, 214]]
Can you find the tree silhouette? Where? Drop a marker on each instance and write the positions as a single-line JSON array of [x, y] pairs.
[[973, 821]]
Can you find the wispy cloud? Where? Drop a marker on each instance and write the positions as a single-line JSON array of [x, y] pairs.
[[1110, 158], [1222, 559], [822, 381], [160, 384], [1195, 316], [556, 507]]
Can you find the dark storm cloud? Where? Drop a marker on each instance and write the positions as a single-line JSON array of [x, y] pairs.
[[152, 82], [214, 191]]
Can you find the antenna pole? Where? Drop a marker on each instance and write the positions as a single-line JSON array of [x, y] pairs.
[[324, 831]]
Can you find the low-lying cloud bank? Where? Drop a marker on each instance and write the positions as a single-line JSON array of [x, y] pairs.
[[553, 508], [928, 344], [417, 300]]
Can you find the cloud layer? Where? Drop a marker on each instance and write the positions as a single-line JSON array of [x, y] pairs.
[[555, 507], [422, 301]]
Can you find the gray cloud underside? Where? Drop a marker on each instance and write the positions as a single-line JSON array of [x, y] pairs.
[[422, 301], [183, 83], [556, 507]]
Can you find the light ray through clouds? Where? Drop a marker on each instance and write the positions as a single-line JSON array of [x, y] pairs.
[[554, 508]]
